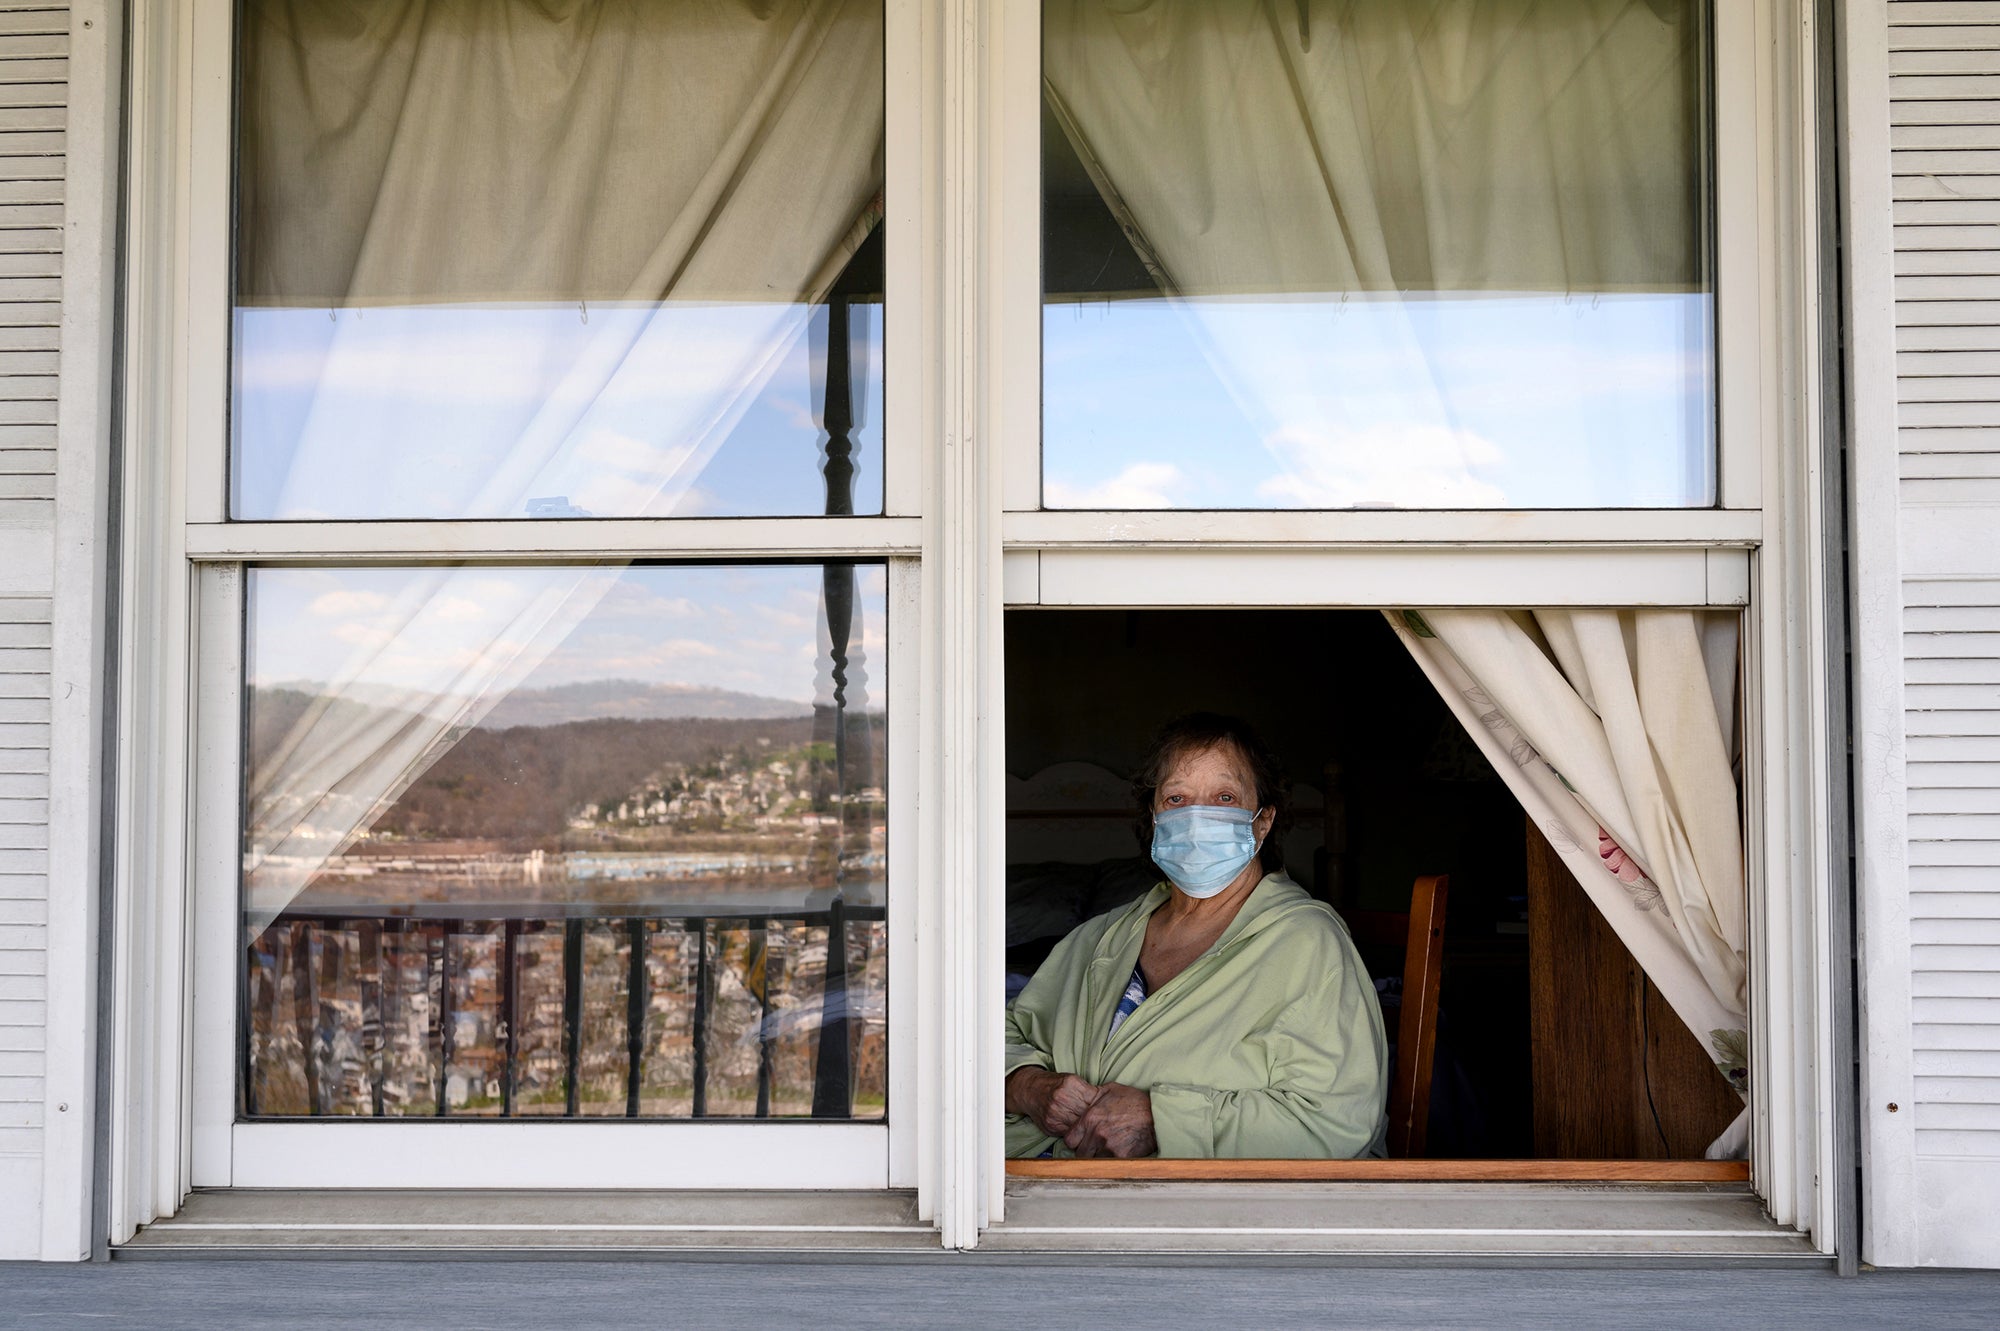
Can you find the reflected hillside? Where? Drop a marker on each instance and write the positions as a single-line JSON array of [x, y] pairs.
[[550, 799]]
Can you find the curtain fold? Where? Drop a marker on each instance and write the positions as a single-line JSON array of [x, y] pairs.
[[1390, 145], [528, 225], [1609, 728]]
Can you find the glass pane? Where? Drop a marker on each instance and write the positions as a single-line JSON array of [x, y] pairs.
[[1376, 254], [499, 259], [565, 842]]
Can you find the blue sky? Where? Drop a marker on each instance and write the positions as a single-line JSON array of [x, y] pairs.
[[747, 628], [1417, 400], [471, 410]]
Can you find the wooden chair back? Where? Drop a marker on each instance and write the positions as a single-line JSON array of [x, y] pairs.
[[1416, 1038]]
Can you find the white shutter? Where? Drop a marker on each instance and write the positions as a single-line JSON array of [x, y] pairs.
[[34, 43], [1944, 152]]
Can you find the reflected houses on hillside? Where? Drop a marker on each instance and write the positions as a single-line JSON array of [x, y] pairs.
[[597, 917]]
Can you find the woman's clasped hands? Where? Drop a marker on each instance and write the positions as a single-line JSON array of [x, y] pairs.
[[1093, 1121]]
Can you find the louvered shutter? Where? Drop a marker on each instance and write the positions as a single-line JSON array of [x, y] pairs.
[[1944, 89]]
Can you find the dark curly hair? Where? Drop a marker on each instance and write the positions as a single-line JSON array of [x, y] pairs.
[[1198, 732]]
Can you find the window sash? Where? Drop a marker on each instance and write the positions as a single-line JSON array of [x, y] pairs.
[[1741, 201]]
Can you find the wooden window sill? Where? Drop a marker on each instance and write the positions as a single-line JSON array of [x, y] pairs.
[[1390, 1171]]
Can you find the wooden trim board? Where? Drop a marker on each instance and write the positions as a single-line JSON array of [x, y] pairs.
[[1389, 1171]]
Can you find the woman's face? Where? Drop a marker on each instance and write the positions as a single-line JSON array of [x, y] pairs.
[[1215, 775]]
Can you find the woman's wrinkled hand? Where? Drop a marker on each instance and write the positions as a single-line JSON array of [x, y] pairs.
[[1054, 1100], [1119, 1123]]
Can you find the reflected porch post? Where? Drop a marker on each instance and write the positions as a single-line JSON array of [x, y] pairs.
[[832, 1071]]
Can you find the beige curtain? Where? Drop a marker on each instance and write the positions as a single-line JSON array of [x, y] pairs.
[[1615, 729], [1389, 145], [1377, 165], [686, 178]]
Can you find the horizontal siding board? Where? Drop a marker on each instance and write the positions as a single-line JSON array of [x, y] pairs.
[[51, 19], [1950, 489], [1948, 60], [1951, 591], [23, 911], [1960, 1090], [1951, 466], [1948, 137], [1966, 854], [1928, 1010], [24, 836], [1945, 37], [24, 887], [1975, 1118], [1939, 262], [1950, 13], [1940, 722], [1923, 800], [1948, 337], [1929, 112], [29, 961], [1966, 1037], [1936, 1145], [1948, 1062], [1918, 212], [1953, 902], [40, 69], [1944, 239], [1960, 962], [1981, 931], [1916, 89]]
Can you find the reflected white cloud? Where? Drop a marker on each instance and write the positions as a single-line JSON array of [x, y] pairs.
[[1141, 485], [507, 411], [1397, 466], [1417, 400], [754, 630]]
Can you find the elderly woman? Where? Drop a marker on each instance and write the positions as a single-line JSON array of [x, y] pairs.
[[1223, 1014]]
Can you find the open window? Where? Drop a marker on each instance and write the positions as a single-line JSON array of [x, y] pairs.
[[1542, 1039]]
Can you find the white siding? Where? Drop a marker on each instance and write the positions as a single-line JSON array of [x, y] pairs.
[[34, 43], [1944, 141], [1944, 64]]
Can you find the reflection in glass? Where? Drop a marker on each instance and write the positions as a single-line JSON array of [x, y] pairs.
[[1376, 254], [565, 842], [497, 259]]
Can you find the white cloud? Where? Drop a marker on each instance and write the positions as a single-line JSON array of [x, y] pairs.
[[458, 610], [1141, 485], [346, 603], [1397, 466]]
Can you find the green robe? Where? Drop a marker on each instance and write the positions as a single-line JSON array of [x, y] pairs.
[[1268, 1046]]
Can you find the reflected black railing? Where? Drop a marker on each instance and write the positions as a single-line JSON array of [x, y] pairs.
[[833, 1082]]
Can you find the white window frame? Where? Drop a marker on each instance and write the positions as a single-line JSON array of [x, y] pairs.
[[1757, 548], [174, 1118], [962, 414]]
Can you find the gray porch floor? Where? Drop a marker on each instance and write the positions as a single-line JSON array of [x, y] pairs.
[[892, 1292]]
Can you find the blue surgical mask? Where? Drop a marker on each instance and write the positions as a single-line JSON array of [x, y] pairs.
[[1203, 847]]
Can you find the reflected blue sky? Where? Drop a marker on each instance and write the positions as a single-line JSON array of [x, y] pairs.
[[497, 411], [745, 629], [1468, 401]]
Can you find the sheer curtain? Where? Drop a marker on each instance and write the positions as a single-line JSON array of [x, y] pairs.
[[1615, 730], [1391, 151], [511, 227], [1355, 183]]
